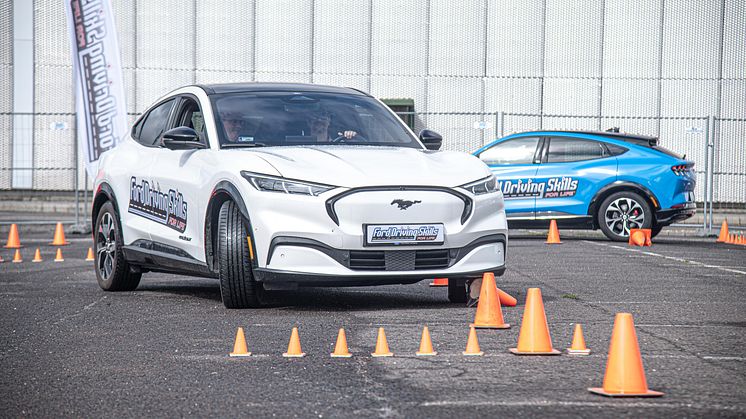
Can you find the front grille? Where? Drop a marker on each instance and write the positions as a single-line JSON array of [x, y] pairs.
[[399, 260]]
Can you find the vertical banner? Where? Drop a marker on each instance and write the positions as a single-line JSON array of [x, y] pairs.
[[99, 92]]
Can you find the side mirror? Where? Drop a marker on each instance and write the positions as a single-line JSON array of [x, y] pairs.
[[182, 138], [431, 139]]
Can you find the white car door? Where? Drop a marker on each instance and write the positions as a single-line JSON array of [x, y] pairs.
[[130, 174], [178, 177]]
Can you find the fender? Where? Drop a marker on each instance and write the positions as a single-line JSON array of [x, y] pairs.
[[106, 190], [623, 185], [227, 188]]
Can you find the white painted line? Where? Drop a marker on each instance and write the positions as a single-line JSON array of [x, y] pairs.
[[725, 358], [677, 259], [601, 404]]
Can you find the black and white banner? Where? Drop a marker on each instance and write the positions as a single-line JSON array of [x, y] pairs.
[[99, 92]]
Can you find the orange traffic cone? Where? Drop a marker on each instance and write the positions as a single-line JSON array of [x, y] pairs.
[[534, 337], [489, 312], [578, 343], [640, 237], [723, 232], [89, 257], [426, 345], [382, 346], [1, 259], [59, 236], [294, 350], [58, 257], [17, 257], [340, 349], [729, 240], [439, 282], [13, 241], [636, 237], [506, 299], [37, 256], [625, 376], [553, 236], [472, 345], [239, 346]]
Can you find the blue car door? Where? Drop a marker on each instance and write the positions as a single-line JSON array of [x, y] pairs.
[[572, 170], [514, 163]]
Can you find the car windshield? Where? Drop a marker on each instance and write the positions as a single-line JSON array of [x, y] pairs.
[[261, 119]]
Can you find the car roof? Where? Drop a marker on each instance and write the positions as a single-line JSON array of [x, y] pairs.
[[212, 89], [643, 140]]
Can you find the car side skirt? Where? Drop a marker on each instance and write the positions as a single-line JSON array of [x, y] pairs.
[[159, 257]]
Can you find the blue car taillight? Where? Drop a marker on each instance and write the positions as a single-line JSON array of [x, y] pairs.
[[683, 169]]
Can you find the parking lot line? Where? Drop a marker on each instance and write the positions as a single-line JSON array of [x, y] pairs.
[[604, 405], [677, 259]]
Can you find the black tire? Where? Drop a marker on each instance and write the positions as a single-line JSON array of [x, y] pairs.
[[237, 285], [113, 273], [656, 230], [457, 290], [621, 211]]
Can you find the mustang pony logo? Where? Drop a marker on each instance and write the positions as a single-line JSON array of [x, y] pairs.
[[404, 204]]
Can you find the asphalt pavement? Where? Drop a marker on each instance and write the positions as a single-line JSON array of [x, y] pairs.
[[69, 349]]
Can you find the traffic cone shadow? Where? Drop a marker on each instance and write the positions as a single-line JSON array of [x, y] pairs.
[[625, 376], [382, 346], [426, 345], [472, 344], [723, 237], [534, 338], [553, 237], [59, 236], [340, 349], [14, 242], [578, 343], [489, 312], [294, 349], [239, 346]]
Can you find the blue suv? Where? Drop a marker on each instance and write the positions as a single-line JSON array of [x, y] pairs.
[[591, 180]]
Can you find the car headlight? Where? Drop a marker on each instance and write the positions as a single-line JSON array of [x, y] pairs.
[[277, 184], [482, 186]]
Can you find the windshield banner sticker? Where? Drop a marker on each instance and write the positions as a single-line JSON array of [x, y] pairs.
[[555, 187], [168, 208]]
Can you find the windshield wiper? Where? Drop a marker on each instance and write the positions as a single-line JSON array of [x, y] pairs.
[[242, 145]]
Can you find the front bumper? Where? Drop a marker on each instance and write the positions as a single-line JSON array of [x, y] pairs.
[[668, 216], [309, 262]]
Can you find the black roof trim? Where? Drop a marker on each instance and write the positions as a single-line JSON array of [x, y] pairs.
[[212, 89], [639, 139]]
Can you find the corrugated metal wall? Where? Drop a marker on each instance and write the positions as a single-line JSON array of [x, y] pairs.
[[652, 66]]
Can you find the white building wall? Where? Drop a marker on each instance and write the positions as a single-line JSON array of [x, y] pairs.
[[651, 67]]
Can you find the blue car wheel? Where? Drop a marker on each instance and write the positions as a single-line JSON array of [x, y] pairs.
[[620, 212]]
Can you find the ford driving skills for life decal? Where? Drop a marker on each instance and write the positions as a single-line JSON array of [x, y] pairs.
[[555, 187], [168, 209]]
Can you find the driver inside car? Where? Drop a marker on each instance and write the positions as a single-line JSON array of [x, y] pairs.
[[318, 124]]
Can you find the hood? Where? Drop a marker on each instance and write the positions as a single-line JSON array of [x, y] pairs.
[[354, 166]]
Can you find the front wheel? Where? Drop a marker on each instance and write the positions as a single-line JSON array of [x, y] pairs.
[[620, 212], [237, 285]]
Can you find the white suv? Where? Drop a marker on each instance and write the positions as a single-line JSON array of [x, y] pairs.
[[275, 186]]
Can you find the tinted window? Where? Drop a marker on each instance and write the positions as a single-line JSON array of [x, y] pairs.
[[518, 151], [572, 149], [307, 118], [615, 150], [155, 123]]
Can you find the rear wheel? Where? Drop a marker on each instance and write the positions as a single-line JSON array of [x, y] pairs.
[[113, 273], [656, 230], [622, 211], [457, 290], [237, 285]]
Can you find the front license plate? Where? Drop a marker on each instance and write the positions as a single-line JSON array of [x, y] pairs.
[[402, 234]]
